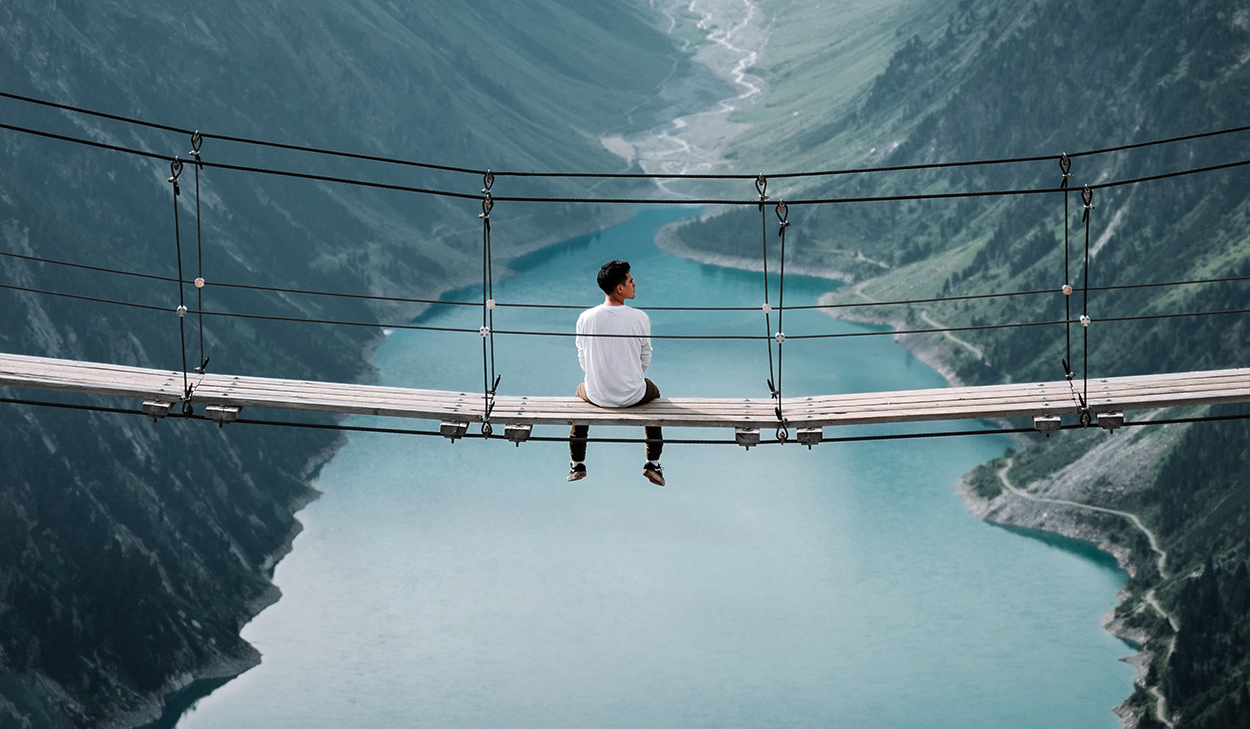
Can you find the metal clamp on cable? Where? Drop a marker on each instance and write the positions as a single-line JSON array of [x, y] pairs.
[[175, 169], [196, 142]]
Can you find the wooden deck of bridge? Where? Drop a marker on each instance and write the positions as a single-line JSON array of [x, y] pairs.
[[229, 392]]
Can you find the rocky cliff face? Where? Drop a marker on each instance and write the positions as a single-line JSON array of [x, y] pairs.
[[131, 552], [982, 80]]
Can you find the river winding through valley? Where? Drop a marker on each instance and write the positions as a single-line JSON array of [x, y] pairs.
[[468, 585]]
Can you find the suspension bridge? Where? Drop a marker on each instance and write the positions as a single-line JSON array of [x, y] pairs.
[[1096, 401]]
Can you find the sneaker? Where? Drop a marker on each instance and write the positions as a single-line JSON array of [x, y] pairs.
[[654, 473], [577, 472]]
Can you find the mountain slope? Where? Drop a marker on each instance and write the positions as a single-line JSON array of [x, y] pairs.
[[131, 552], [980, 80]]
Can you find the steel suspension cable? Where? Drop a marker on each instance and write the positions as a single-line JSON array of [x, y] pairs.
[[692, 441], [617, 175], [579, 307], [622, 201], [726, 337]]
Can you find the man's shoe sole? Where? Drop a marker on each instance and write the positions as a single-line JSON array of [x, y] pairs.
[[653, 477], [576, 476]]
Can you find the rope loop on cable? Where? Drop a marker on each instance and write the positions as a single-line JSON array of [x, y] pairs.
[[1087, 195], [1065, 164], [783, 213], [197, 140], [761, 187], [175, 169]]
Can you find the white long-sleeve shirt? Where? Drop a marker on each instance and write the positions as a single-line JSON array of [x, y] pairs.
[[614, 365]]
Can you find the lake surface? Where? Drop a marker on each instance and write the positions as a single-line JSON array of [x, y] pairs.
[[468, 585]]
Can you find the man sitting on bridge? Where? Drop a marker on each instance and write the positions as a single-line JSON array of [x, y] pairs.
[[614, 365]]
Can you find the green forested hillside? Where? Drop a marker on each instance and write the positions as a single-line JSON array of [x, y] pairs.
[[132, 552], [981, 80]]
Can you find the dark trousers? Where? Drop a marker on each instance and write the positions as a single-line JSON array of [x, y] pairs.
[[577, 435]]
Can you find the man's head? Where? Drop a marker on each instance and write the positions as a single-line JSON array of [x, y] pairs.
[[615, 280]]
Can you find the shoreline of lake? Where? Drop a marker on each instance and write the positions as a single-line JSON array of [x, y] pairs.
[[1026, 519]]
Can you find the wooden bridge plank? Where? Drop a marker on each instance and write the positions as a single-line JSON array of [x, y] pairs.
[[993, 401]]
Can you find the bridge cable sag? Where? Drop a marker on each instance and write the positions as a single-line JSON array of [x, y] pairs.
[[579, 307], [725, 337], [555, 439], [615, 175], [623, 201], [487, 331]]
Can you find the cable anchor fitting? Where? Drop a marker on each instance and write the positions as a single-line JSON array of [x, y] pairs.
[[1065, 164], [488, 181], [175, 169], [761, 186], [780, 337], [783, 212], [182, 310], [484, 331], [196, 142], [1085, 320], [1067, 290], [1088, 196]]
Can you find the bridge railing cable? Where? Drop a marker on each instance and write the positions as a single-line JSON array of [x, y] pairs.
[[344, 427], [611, 175], [567, 334], [581, 307], [617, 200]]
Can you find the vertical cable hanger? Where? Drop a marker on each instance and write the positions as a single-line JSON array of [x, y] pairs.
[[490, 380], [1065, 164], [175, 169], [196, 142], [783, 212], [761, 186], [1087, 196]]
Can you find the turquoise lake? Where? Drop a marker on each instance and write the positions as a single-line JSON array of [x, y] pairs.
[[468, 585]]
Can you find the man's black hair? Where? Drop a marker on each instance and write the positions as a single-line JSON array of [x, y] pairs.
[[612, 275]]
